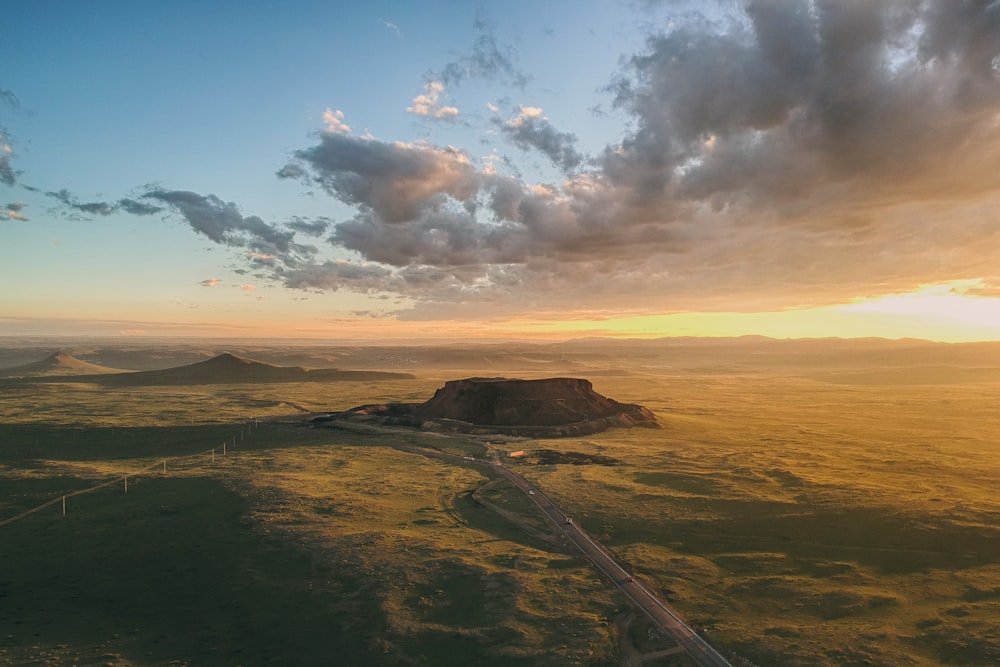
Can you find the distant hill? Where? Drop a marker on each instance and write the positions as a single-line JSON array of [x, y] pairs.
[[229, 368], [58, 364]]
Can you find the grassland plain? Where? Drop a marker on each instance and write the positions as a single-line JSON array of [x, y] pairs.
[[385, 557], [803, 522], [802, 516]]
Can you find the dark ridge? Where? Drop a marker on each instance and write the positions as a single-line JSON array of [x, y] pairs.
[[57, 364], [228, 368]]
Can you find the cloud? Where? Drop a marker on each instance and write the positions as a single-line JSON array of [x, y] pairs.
[[102, 208], [292, 171], [335, 274], [441, 237], [260, 258], [90, 208], [794, 153], [335, 122], [389, 25], [270, 249], [13, 211], [248, 288], [428, 104], [873, 97], [314, 227], [138, 208], [7, 174], [530, 129], [396, 180], [223, 223], [988, 286], [788, 153], [9, 98], [488, 60]]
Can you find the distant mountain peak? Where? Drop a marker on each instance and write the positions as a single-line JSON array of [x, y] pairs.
[[230, 358], [57, 363]]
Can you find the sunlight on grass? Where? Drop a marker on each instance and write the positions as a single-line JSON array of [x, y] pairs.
[[802, 517]]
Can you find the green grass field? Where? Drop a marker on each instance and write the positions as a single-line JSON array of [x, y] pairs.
[[804, 523], [299, 546], [798, 520]]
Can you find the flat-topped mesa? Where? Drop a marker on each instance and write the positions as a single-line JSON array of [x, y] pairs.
[[505, 402], [552, 407]]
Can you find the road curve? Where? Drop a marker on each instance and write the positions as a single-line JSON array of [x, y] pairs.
[[659, 611], [655, 608]]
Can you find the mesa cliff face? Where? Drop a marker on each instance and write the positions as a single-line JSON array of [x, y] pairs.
[[503, 402], [553, 407]]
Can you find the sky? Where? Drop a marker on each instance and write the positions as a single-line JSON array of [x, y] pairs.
[[528, 170]]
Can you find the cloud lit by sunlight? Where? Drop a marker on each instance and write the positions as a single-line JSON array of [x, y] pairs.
[[953, 302], [947, 312]]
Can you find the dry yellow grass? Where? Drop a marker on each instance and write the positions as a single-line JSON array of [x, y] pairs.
[[802, 515]]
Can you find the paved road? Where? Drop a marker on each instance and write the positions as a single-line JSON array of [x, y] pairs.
[[646, 600], [658, 610]]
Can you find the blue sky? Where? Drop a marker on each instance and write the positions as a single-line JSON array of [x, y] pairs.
[[342, 170]]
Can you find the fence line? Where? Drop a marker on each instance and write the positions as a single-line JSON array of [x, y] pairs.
[[252, 426]]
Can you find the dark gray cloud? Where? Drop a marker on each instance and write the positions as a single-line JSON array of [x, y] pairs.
[[223, 223], [8, 176], [137, 207], [315, 227], [89, 208], [334, 275], [488, 60], [13, 210], [270, 248], [397, 181], [874, 96], [444, 237], [798, 150], [9, 98], [102, 208], [292, 171], [531, 130]]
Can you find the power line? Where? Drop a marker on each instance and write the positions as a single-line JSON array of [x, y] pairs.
[[123, 478]]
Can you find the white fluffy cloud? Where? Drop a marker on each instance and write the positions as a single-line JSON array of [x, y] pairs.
[[335, 122], [799, 153], [429, 103], [795, 153]]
